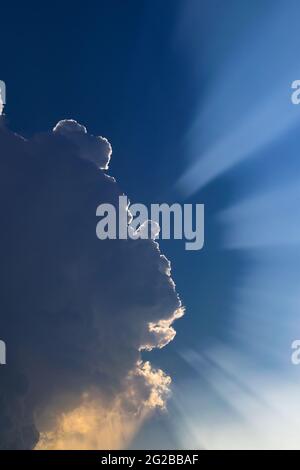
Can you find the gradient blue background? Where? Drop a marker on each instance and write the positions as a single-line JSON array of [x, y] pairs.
[[194, 96]]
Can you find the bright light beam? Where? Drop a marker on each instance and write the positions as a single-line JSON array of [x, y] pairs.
[[248, 105]]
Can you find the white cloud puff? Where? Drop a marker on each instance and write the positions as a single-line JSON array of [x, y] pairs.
[[96, 149]]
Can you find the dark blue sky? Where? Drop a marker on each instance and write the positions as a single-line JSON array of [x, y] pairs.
[[123, 70], [117, 67], [120, 68], [112, 64], [137, 72]]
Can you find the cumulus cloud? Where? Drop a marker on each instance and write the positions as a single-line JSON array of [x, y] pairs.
[[95, 149], [97, 425], [76, 312]]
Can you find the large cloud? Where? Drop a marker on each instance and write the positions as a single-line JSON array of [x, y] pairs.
[[76, 312]]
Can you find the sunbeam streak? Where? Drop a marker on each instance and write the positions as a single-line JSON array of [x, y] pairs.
[[248, 106], [234, 406], [264, 220], [258, 130]]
